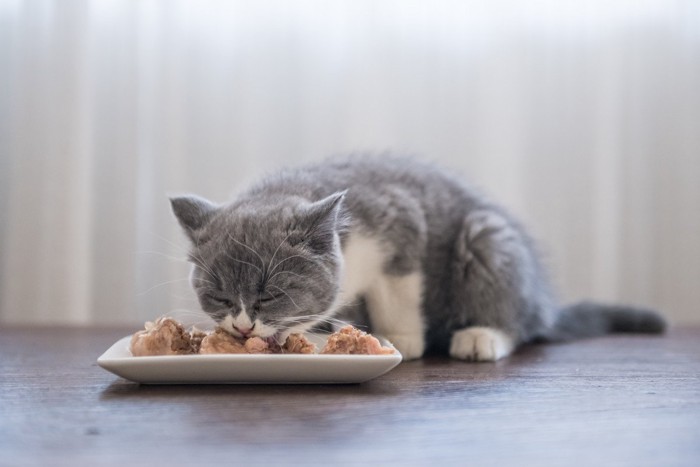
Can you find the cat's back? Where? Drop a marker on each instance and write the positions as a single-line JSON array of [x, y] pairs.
[[373, 181], [407, 202], [379, 172]]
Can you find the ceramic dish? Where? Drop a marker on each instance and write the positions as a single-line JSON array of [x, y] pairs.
[[247, 369]]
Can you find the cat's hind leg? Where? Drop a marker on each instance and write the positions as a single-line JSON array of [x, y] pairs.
[[394, 305], [481, 344], [498, 295]]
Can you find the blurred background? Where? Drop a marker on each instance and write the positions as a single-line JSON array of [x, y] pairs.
[[583, 118]]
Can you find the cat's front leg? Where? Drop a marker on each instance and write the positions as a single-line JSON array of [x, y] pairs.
[[394, 305]]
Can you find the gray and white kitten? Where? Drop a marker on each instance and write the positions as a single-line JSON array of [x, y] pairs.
[[387, 242]]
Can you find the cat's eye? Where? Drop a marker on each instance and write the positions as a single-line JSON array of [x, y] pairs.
[[221, 301], [262, 300]]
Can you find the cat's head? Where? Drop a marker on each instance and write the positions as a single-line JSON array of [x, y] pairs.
[[264, 269]]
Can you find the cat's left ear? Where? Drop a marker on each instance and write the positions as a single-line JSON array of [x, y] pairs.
[[193, 213], [325, 214], [321, 220]]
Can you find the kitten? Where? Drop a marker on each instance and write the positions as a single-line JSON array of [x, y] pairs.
[[390, 243]]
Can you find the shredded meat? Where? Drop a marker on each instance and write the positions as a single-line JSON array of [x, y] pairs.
[[297, 343], [221, 341], [256, 345], [196, 337], [164, 337], [350, 340]]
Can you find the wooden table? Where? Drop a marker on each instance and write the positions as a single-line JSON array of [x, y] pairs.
[[623, 400]]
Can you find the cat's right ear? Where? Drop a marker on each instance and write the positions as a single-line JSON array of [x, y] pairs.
[[193, 213]]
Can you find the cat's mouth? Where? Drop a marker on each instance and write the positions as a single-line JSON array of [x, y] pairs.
[[273, 337], [268, 333]]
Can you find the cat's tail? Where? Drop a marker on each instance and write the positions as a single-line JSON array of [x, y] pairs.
[[588, 319]]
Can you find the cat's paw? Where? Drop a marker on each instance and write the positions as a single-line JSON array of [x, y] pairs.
[[481, 344], [410, 346]]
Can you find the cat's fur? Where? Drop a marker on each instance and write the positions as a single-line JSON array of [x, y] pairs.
[[387, 242]]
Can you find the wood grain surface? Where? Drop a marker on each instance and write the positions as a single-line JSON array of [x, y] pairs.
[[618, 400]]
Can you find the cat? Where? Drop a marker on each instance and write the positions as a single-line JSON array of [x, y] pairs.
[[391, 243]]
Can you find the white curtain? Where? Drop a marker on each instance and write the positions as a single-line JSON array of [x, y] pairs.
[[582, 117]]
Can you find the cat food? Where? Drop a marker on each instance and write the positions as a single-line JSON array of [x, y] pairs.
[[166, 336], [196, 338], [297, 343], [221, 341], [350, 340], [163, 337]]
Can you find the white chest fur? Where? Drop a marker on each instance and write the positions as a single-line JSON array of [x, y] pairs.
[[394, 303], [363, 261]]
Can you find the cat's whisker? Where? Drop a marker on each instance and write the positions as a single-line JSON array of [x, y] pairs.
[[301, 328], [159, 285], [179, 247], [164, 255], [351, 302], [290, 298], [262, 263], [190, 311], [200, 324], [178, 296], [200, 262], [192, 314], [276, 250], [277, 338], [306, 318], [182, 313], [313, 319], [244, 262], [285, 272], [201, 317], [285, 259], [199, 279], [185, 297]]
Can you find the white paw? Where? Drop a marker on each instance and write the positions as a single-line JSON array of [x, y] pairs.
[[410, 346], [480, 344]]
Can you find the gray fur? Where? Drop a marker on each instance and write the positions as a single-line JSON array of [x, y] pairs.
[[480, 267]]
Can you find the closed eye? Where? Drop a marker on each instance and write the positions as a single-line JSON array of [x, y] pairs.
[[221, 301], [268, 299]]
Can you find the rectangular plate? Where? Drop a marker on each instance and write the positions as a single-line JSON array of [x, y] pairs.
[[247, 369]]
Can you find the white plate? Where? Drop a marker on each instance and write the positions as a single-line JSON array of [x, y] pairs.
[[237, 369]]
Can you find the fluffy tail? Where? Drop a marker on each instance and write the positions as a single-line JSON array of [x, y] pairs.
[[588, 319]]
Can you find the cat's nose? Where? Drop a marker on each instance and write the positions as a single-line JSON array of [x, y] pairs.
[[244, 331]]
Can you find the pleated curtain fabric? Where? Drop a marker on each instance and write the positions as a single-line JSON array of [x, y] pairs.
[[583, 118]]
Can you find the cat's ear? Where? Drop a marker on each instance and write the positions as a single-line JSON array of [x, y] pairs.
[[326, 212], [193, 213], [321, 220]]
